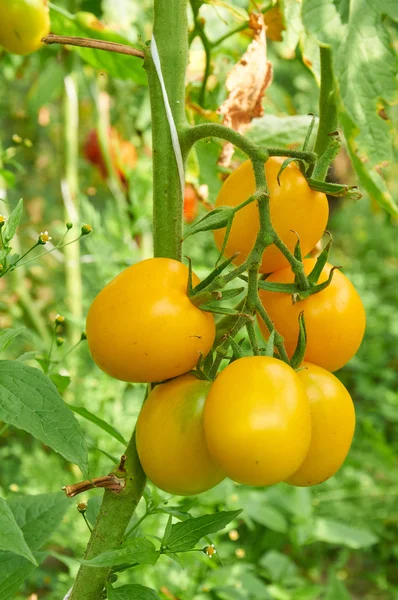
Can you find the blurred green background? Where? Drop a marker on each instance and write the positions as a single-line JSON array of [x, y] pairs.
[[335, 541]]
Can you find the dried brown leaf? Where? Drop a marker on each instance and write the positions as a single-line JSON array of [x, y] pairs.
[[246, 84]]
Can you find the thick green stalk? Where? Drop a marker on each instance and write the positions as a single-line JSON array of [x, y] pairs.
[[170, 30], [70, 192], [111, 523], [328, 120], [171, 34]]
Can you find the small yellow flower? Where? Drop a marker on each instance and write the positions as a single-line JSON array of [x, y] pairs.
[[82, 507], [44, 237], [2, 220], [240, 553], [59, 319], [16, 138], [233, 535], [210, 550], [86, 229], [60, 341]]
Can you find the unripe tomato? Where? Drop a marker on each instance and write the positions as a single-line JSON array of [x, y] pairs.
[[334, 318], [171, 441], [190, 203], [257, 421], [294, 207], [142, 327], [333, 425], [22, 25]]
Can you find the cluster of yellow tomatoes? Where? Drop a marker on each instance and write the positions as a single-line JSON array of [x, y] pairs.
[[260, 422]]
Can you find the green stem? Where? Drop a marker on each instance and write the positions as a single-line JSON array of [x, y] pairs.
[[109, 528], [328, 120], [170, 30], [70, 192]]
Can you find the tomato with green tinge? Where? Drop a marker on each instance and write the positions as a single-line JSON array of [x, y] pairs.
[[332, 426], [294, 207], [257, 421], [334, 318], [170, 438], [23, 23], [142, 327]]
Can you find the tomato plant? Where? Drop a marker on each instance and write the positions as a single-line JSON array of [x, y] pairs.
[[295, 209], [334, 317], [170, 438], [22, 25], [146, 315], [256, 407], [332, 426]]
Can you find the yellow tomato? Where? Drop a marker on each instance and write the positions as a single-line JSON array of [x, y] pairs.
[[257, 421], [333, 425], [293, 206], [170, 438], [22, 25], [142, 327], [335, 318]]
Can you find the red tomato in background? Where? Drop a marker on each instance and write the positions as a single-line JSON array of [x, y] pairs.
[[190, 203], [122, 153]]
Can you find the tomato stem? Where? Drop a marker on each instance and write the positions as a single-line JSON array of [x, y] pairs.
[[328, 120]]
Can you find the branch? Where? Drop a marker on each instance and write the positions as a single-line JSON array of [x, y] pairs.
[[51, 38]]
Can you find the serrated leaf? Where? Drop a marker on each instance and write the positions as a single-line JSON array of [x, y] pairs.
[[185, 535], [12, 538], [86, 414], [137, 550], [334, 532], [13, 222], [117, 65], [7, 336], [14, 570], [132, 592], [280, 131], [38, 516], [30, 401], [354, 31]]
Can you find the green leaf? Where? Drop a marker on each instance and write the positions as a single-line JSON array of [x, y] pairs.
[[38, 516], [86, 414], [354, 31], [298, 355], [117, 65], [185, 535], [268, 516], [336, 590], [216, 219], [13, 222], [132, 592], [136, 550], [279, 566], [61, 382], [14, 570], [334, 532], [280, 131], [7, 336], [12, 538], [30, 401]]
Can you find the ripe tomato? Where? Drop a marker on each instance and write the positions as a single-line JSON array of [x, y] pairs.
[[257, 421], [190, 204], [22, 25], [293, 205], [333, 424], [334, 318], [142, 326], [122, 153], [170, 438]]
